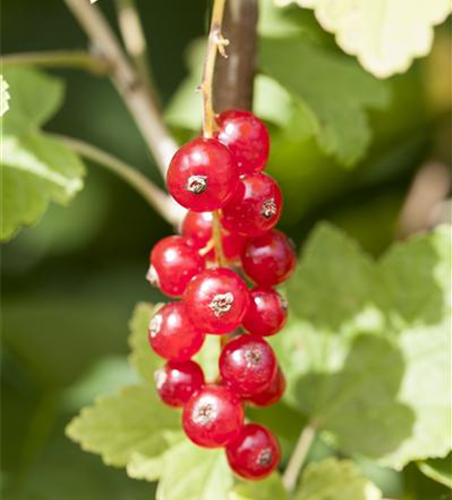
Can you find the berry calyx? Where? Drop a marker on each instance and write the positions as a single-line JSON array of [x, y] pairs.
[[255, 207], [273, 393], [216, 300], [269, 259], [267, 312], [247, 138], [255, 453], [176, 382], [202, 175], [247, 365], [174, 262], [213, 416], [172, 335]]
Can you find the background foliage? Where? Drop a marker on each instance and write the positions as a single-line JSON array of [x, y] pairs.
[[367, 356]]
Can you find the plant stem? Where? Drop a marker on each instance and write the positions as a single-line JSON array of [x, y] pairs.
[[58, 58], [140, 102], [135, 41], [298, 457], [216, 43], [159, 200], [217, 240]]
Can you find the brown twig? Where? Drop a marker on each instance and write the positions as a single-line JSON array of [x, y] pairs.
[[141, 104]]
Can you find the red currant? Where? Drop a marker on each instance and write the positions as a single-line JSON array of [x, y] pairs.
[[174, 262], [273, 393], [198, 227], [213, 416], [247, 365], [176, 382], [247, 138], [202, 175], [267, 312], [172, 335], [216, 300], [255, 453], [269, 259], [255, 207]]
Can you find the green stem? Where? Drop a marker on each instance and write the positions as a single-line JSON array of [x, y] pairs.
[[160, 201], [58, 58], [298, 457]]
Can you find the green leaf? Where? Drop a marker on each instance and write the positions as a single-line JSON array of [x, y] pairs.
[[438, 469], [332, 87], [4, 96], [193, 473], [385, 36], [267, 489], [36, 169], [359, 362], [333, 479], [35, 97]]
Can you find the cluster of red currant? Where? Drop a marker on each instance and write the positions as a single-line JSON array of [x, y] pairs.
[[230, 201]]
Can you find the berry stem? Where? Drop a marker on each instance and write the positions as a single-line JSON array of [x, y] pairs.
[[216, 236], [216, 43], [298, 457]]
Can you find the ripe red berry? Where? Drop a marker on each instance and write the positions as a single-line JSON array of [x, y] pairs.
[[172, 335], [247, 365], [255, 453], [202, 175], [255, 207], [176, 382], [267, 312], [174, 262], [247, 138], [273, 393], [216, 300], [213, 416], [269, 259]]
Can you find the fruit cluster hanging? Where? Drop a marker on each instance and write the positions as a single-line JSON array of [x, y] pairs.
[[228, 239]]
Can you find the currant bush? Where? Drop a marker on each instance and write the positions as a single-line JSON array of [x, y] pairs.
[[227, 236]]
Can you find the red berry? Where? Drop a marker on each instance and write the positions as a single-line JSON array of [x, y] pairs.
[[174, 262], [247, 138], [267, 312], [197, 226], [172, 335], [255, 207], [213, 416], [176, 382], [247, 365], [273, 393], [216, 300], [269, 259], [255, 453], [202, 175]]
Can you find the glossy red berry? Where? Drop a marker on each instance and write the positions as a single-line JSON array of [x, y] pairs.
[[273, 393], [174, 262], [233, 244], [213, 416], [202, 175], [255, 453], [255, 207], [269, 259], [247, 365], [172, 335], [267, 312], [247, 138], [176, 382], [216, 300]]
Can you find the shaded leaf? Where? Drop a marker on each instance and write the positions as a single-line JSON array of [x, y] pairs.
[[270, 488], [438, 469]]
